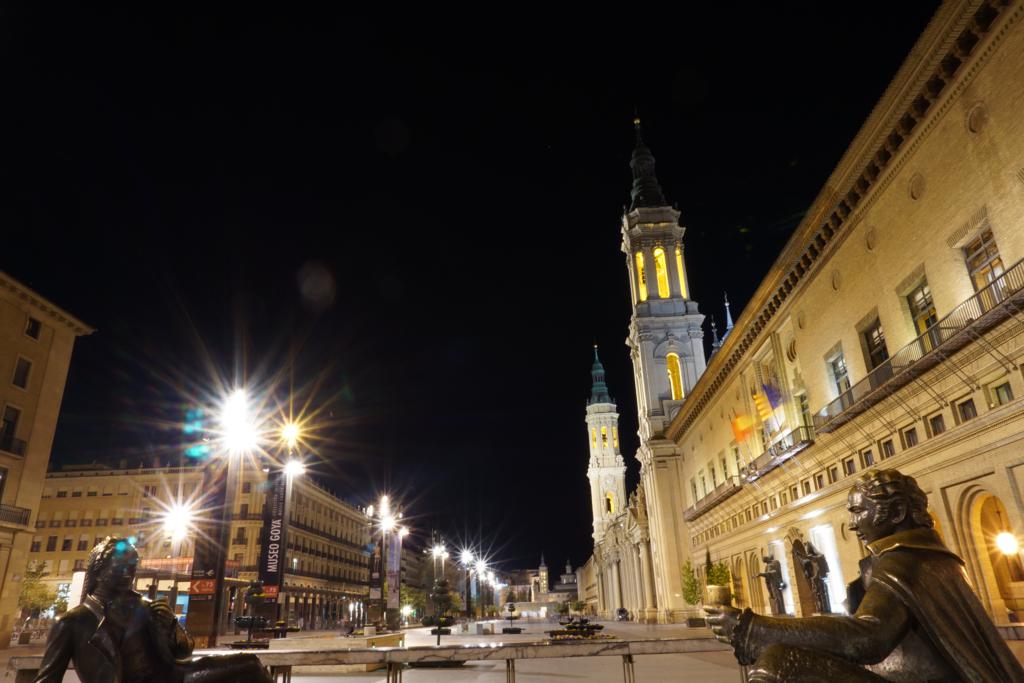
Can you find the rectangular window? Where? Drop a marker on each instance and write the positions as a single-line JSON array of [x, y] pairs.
[[868, 458], [833, 474], [1002, 394], [922, 312], [936, 424], [9, 429], [910, 437], [806, 486], [66, 544], [693, 490], [714, 477], [246, 487], [874, 343], [76, 494], [244, 511], [79, 565], [794, 493], [83, 544], [965, 410], [749, 516], [840, 376], [849, 466], [62, 494], [887, 449], [22, 368], [985, 267], [36, 544], [783, 498], [805, 411], [51, 544], [819, 480], [33, 327]]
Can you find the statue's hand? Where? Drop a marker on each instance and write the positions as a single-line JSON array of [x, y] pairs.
[[723, 620], [163, 614]]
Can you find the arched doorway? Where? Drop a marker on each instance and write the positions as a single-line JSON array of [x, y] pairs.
[[805, 598], [997, 574], [738, 583], [757, 602]]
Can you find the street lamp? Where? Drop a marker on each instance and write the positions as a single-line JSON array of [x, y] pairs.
[[466, 557], [388, 521]]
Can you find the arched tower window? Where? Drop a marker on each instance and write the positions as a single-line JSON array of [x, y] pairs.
[[609, 503], [593, 437], [641, 276], [661, 271], [604, 436], [675, 377], [615, 437], [681, 273]]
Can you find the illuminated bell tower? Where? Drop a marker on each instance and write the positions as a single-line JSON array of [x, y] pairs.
[[666, 344], [606, 470]]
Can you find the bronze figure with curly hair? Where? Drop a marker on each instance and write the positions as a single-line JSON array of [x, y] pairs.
[[116, 635], [913, 615]]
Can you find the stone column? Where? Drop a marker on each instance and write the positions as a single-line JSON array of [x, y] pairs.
[[616, 586], [650, 604]]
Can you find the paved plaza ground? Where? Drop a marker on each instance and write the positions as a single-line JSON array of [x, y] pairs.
[[709, 667]]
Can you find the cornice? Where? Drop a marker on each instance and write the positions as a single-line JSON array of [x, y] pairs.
[[950, 51], [53, 312]]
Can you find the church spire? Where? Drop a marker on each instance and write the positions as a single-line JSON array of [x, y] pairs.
[[598, 390], [728, 314], [646, 191]]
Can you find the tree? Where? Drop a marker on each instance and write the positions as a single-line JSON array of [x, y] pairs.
[[35, 596], [693, 591], [415, 598], [578, 606]]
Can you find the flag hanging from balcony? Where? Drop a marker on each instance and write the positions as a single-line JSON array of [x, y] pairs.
[[772, 393], [763, 405], [742, 427]]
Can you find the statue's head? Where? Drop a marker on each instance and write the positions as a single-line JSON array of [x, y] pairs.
[[112, 565], [767, 558], [883, 502]]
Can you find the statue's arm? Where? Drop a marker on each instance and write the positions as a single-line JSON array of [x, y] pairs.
[[59, 648], [865, 637]]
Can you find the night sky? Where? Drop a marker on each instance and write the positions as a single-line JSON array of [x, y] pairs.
[[413, 222]]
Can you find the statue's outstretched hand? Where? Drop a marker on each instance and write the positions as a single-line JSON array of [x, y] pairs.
[[722, 620]]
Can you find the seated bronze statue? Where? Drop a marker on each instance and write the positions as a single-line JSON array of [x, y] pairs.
[[117, 636], [914, 616]]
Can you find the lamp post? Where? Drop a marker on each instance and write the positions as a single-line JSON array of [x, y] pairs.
[[481, 575], [387, 521], [467, 562]]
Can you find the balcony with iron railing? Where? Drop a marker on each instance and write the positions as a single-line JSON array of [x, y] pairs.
[[727, 488], [778, 452], [11, 445], [9, 514], [987, 308]]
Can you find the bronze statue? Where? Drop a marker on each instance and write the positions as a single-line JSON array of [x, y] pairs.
[[815, 568], [775, 583], [914, 614], [116, 635]]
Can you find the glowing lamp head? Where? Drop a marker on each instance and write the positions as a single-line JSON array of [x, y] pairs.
[[178, 521], [466, 557], [238, 430], [406, 611], [1007, 543], [294, 468], [290, 434], [387, 523], [403, 532], [437, 550], [481, 567], [369, 511]]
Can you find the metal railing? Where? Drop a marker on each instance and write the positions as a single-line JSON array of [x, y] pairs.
[[11, 445], [781, 450], [988, 307], [9, 514], [395, 659], [727, 488]]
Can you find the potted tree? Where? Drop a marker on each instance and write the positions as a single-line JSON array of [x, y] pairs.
[[718, 577], [510, 607]]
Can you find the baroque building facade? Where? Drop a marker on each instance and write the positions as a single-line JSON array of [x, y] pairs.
[[888, 333], [36, 340]]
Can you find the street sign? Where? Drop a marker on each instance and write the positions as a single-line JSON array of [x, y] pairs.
[[202, 587]]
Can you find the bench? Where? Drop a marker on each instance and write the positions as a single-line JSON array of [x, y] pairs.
[[281, 662]]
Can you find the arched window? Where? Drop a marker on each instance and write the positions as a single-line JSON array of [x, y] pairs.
[[675, 377], [661, 271], [593, 437], [681, 273], [609, 503], [641, 276], [615, 437], [604, 436]]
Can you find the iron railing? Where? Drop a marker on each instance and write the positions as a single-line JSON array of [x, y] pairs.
[[9, 514], [784, 448], [11, 445], [727, 488], [988, 307]]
